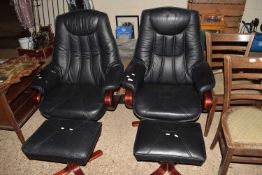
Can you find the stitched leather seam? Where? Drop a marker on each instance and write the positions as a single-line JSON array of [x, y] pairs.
[[164, 155], [186, 147], [101, 55], [162, 60], [91, 60], [80, 59], [149, 67], [184, 57], [174, 60], [69, 59]]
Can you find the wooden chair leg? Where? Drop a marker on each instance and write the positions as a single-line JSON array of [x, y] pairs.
[[161, 170], [135, 123], [216, 138], [95, 155], [68, 169], [210, 117], [172, 170], [225, 162], [78, 171]]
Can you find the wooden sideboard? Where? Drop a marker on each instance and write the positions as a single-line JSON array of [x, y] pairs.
[[16, 104]]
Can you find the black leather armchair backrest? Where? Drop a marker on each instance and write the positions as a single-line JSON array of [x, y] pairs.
[[84, 47], [169, 44]]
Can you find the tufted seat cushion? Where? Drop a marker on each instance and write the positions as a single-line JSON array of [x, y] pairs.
[[244, 126], [167, 102], [73, 102], [170, 142], [64, 141]]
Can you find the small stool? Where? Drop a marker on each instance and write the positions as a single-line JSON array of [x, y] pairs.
[[169, 143], [64, 141]]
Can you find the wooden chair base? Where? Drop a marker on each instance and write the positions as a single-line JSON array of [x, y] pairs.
[[166, 167], [135, 123], [76, 168]]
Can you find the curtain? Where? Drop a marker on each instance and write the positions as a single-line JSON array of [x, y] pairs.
[[23, 9]]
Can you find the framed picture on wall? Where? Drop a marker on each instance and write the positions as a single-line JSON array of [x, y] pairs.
[[129, 20]]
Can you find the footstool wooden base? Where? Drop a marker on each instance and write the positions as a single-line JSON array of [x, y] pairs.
[[76, 168]]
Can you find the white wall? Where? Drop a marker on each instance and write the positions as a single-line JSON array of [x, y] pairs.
[[253, 9], [132, 7]]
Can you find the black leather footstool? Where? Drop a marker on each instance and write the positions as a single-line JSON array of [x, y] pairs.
[[169, 143], [65, 141]]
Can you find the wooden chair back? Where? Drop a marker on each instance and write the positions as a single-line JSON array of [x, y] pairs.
[[220, 44], [247, 70]]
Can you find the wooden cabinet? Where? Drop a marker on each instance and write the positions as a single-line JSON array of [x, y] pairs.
[[16, 105], [232, 11]]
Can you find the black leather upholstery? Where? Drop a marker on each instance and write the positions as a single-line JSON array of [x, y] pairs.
[[167, 102], [85, 64], [74, 102], [64, 141], [169, 54], [170, 142]]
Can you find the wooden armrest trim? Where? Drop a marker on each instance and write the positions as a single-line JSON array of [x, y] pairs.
[[37, 96], [128, 99], [108, 98], [207, 100]]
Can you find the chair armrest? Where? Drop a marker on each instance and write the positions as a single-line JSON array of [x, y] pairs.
[[113, 77], [203, 77], [134, 76], [111, 100], [46, 80]]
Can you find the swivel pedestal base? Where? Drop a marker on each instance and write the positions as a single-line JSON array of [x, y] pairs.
[[166, 167], [76, 168]]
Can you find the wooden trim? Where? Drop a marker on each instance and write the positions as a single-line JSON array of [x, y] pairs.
[[166, 167], [225, 9], [247, 75], [237, 48], [226, 37], [135, 123], [128, 98], [76, 168]]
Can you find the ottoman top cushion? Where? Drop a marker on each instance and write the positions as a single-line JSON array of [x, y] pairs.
[[173, 142], [64, 141]]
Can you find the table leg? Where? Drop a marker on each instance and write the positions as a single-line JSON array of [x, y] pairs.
[[7, 112]]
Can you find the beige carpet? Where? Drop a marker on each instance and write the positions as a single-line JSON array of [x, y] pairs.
[[116, 142]]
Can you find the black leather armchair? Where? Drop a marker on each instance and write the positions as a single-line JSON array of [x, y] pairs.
[[85, 69], [168, 78], [168, 83], [75, 90]]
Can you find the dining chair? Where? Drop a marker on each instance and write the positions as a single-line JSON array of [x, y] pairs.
[[239, 131], [217, 46]]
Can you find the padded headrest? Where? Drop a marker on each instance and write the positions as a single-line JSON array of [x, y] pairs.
[[81, 22], [169, 20]]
